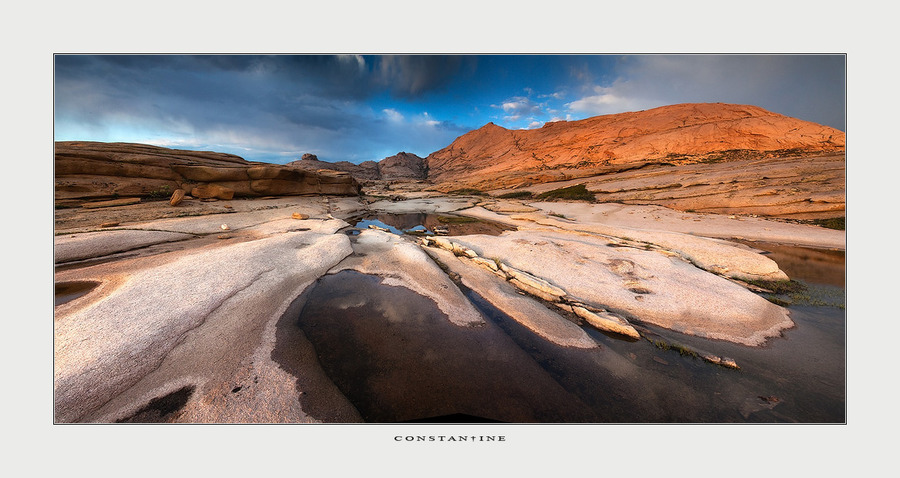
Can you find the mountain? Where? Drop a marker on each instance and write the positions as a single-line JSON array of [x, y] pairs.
[[493, 156]]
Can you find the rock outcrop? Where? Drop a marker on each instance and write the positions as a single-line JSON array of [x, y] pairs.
[[399, 167], [492, 156], [402, 166], [91, 170], [367, 170]]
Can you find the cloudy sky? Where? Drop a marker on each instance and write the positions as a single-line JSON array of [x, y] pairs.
[[357, 108]]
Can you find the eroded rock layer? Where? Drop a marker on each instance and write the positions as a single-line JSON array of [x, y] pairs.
[[676, 134], [91, 170]]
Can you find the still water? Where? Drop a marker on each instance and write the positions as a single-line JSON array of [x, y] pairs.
[[397, 358]]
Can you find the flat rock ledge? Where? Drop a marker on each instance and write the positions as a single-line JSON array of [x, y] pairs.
[[537, 287]]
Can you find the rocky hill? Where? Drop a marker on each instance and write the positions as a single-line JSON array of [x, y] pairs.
[[492, 156], [91, 170], [399, 167]]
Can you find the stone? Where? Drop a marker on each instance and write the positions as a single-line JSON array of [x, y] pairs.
[[177, 197], [492, 265], [528, 289], [607, 322], [298, 215], [535, 282]]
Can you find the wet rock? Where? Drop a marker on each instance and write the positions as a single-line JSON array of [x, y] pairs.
[[535, 283], [607, 322], [521, 308]]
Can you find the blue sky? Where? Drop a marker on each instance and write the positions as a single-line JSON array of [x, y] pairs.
[[367, 107]]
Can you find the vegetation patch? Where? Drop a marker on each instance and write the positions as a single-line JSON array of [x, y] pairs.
[[467, 192], [831, 223], [681, 349], [788, 293], [572, 193], [516, 195], [163, 192], [780, 287]]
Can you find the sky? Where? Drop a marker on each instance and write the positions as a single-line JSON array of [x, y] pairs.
[[275, 108]]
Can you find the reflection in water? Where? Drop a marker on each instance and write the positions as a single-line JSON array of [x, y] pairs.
[[396, 357], [68, 291], [422, 223], [818, 266]]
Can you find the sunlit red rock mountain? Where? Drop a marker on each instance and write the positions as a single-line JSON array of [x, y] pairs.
[[492, 156]]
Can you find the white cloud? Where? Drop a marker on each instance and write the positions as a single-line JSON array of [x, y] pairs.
[[613, 99], [393, 115], [427, 120], [520, 105], [805, 86]]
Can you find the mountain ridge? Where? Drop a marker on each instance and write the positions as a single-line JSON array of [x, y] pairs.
[[685, 133]]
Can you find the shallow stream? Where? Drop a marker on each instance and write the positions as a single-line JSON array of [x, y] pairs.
[[427, 224]]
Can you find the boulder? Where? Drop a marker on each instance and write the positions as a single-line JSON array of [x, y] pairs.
[[177, 197]]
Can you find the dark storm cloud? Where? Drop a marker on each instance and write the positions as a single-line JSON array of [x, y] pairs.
[[412, 75], [281, 104]]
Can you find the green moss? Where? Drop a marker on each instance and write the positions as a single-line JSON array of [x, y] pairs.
[[575, 193]]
